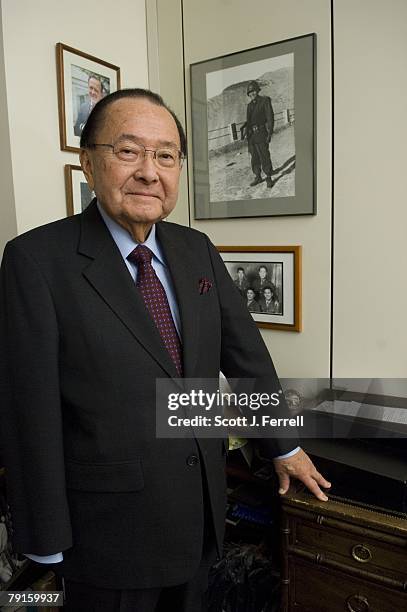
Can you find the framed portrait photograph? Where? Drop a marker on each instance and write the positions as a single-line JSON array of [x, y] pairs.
[[83, 80], [78, 194], [268, 279], [253, 132]]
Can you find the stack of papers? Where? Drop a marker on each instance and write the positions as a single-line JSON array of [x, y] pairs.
[[364, 411]]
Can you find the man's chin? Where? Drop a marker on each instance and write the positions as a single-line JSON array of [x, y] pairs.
[[150, 214]]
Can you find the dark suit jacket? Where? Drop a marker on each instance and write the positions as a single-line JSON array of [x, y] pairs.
[[79, 360], [83, 114]]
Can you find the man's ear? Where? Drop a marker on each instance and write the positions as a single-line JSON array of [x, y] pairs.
[[87, 167]]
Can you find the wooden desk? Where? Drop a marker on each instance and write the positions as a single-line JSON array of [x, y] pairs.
[[338, 557]]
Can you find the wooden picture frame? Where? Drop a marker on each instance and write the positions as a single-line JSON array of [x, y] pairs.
[[230, 151], [281, 282], [82, 81], [78, 194]]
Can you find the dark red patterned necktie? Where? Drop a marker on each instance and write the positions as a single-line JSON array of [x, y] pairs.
[[156, 302]]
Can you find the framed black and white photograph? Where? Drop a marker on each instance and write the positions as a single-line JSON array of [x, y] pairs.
[[253, 132], [83, 80], [78, 194], [268, 279]]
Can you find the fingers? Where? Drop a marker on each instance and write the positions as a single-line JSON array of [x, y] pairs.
[[312, 485], [284, 482], [322, 481], [312, 481]]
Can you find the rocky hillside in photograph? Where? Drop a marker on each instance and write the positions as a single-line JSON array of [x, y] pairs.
[[230, 106]]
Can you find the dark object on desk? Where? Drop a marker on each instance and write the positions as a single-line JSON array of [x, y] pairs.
[[367, 471], [374, 416]]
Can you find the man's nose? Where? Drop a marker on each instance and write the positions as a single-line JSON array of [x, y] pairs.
[[146, 168]]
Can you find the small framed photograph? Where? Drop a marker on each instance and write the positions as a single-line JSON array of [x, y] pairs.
[[83, 80], [253, 132], [268, 279], [78, 194]]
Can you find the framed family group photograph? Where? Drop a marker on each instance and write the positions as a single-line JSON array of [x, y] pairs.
[[83, 80], [253, 132], [268, 279]]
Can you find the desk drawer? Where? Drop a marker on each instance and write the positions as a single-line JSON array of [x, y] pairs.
[[315, 589], [354, 548]]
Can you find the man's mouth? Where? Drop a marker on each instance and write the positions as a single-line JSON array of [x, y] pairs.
[[142, 194]]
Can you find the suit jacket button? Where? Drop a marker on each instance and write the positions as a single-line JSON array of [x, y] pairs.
[[192, 460]]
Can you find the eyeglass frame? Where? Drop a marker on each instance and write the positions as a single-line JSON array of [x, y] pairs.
[[181, 155]]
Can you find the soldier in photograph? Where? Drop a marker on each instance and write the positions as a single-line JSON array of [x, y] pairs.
[[262, 281], [241, 281], [269, 303], [252, 304], [259, 130]]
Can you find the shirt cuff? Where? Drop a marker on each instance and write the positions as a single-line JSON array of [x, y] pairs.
[[290, 454], [57, 558]]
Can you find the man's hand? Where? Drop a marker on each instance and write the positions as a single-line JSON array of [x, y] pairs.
[[300, 466]]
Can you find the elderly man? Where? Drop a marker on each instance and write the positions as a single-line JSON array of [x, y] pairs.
[[95, 308], [95, 94]]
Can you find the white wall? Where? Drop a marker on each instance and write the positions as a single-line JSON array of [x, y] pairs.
[[370, 259], [213, 28], [8, 224], [113, 31]]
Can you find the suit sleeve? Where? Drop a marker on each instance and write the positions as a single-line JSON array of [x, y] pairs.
[[244, 354], [30, 408]]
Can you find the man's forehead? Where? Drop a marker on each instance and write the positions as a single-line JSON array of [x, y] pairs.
[[141, 114], [141, 118]]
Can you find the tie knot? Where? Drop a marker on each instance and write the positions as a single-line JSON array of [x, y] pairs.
[[141, 255]]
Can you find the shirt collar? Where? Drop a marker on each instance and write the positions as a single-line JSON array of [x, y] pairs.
[[125, 241]]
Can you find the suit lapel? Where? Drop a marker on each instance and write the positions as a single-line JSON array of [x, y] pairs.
[[186, 284], [109, 276]]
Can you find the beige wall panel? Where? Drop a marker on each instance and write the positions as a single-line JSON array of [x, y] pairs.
[[8, 223], [370, 258], [171, 78], [113, 31], [214, 28]]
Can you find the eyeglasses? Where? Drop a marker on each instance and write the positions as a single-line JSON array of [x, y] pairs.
[[130, 152]]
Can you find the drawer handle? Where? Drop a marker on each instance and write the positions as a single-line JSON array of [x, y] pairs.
[[357, 603], [361, 553]]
